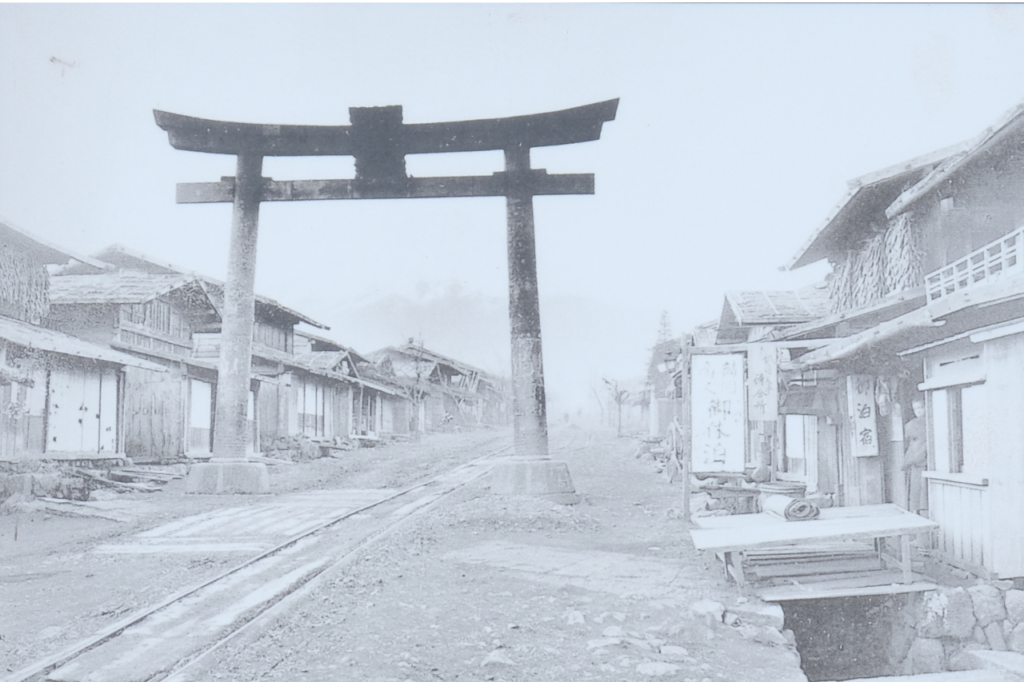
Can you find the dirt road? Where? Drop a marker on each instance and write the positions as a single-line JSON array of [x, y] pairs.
[[482, 587]]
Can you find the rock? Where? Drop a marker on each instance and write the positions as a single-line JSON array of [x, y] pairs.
[[639, 643], [675, 652], [931, 611], [51, 632], [771, 636], [497, 657], [574, 618], [1015, 641], [979, 635], [959, 619], [988, 604], [790, 636], [657, 668], [963, 660], [1003, 585], [101, 494], [1007, 629], [613, 631], [730, 619], [926, 656], [757, 612], [1014, 600], [903, 635], [603, 642], [748, 631], [712, 611], [994, 635], [948, 612]]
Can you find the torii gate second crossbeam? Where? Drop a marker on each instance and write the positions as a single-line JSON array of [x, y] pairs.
[[379, 141]]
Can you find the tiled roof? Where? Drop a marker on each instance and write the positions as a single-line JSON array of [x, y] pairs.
[[325, 360], [778, 307], [40, 338], [116, 287], [43, 251], [130, 260]]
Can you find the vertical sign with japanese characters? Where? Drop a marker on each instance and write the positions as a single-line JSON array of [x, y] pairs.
[[718, 419], [762, 383], [860, 391]]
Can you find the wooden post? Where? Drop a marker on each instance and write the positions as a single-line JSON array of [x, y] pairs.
[[529, 405], [238, 312]]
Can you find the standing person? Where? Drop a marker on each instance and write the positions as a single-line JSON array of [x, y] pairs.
[[915, 458]]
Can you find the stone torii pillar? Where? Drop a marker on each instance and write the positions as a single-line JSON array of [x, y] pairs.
[[379, 141]]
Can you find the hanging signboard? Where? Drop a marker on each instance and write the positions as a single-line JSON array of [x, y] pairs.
[[718, 420], [762, 383], [860, 392]]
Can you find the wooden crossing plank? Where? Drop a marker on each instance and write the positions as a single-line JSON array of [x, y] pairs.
[[751, 531]]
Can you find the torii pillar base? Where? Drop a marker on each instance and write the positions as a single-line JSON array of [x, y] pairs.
[[228, 477], [542, 477]]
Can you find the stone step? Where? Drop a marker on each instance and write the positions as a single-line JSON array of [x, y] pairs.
[[1003, 661], [993, 666], [961, 676]]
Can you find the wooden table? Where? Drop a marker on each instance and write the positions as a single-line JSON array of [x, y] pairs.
[[731, 535]]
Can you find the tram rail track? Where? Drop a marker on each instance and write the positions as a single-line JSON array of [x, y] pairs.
[[130, 649]]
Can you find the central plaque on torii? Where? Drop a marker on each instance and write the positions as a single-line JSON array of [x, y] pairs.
[[379, 141]]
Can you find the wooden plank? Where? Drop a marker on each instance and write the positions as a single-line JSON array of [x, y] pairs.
[[751, 531], [838, 589], [905, 559], [816, 567]]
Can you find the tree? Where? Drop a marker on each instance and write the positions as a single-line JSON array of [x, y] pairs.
[[619, 396], [664, 328]]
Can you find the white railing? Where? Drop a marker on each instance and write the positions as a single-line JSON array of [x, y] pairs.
[[990, 263], [963, 515]]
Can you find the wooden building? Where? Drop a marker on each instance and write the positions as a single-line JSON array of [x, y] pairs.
[[937, 312], [444, 391], [168, 413], [61, 397]]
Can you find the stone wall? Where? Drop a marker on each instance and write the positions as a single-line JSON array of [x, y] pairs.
[[937, 629]]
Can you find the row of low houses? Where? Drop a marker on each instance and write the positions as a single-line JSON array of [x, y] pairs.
[[116, 355], [816, 388]]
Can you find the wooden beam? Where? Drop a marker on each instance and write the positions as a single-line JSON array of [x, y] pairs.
[[496, 185], [838, 590], [568, 126]]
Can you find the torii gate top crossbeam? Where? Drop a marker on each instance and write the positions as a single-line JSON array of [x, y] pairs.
[[569, 126]]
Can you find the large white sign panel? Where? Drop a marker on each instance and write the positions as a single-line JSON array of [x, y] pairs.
[[718, 423]]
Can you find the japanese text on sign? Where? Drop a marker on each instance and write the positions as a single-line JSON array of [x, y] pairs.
[[718, 419], [860, 391], [762, 383]]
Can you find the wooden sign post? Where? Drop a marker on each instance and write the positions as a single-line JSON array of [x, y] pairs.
[[379, 141]]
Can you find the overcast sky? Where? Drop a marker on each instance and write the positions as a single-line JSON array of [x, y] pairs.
[[737, 130]]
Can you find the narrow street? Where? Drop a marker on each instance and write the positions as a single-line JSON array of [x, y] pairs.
[[476, 587]]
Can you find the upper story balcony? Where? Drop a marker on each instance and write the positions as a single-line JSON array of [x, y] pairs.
[[996, 261]]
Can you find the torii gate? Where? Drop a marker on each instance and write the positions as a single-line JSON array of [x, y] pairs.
[[379, 141]]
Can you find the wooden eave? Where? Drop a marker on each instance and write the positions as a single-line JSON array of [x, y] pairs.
[[866, 199], [955, 162]]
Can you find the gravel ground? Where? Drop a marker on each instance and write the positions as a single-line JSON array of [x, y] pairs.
[[55, 591], [411, 607]]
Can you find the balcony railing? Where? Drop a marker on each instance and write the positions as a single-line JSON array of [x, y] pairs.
[[990, 263]]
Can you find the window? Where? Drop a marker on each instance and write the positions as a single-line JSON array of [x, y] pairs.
[[799, 460], [958, 420], [272, 337], [312, 409]]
